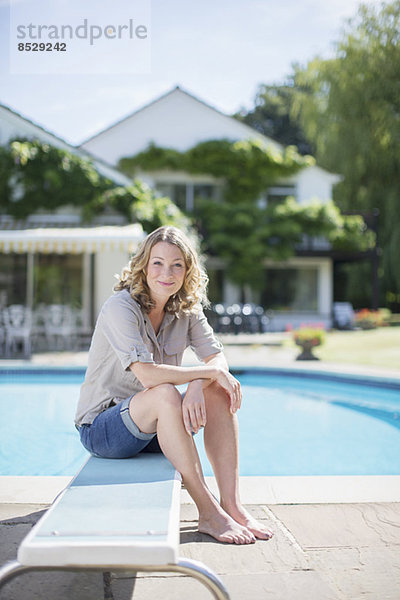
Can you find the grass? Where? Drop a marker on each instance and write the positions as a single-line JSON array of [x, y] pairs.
[[376, 347]]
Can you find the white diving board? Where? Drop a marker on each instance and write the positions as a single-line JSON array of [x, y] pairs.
[[116, 514]]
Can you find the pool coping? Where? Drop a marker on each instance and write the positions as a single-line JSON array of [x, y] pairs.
[[321, 489]]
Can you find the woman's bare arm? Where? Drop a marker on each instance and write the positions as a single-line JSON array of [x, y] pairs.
[[216, 369], [150, 374]]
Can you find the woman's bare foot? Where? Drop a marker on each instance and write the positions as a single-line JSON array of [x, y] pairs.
[[241, 516], [225, 529]]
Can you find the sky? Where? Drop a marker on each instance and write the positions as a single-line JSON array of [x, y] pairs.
[[218, 50]]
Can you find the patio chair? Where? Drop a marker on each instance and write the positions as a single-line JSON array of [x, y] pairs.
[[116, 515], [2, 334], [343, 315], [81, 331], [18, 327], [59, 326]]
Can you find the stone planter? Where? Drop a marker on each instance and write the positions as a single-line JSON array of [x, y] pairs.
[[307, 347]]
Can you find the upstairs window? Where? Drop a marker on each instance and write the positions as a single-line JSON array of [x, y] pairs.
[[279, 193], [185, 195]]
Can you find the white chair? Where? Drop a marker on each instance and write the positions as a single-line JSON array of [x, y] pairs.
[[18, 328], [59, 325], [343, 315], [2, 333]]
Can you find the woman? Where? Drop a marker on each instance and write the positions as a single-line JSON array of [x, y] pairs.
[[129, 402]]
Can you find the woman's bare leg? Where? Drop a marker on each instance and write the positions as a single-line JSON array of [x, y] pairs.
[[221, 435], [160, 409]]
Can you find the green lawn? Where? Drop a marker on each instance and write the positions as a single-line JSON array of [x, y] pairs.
[[377, 347]]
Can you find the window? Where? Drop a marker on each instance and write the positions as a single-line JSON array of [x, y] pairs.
[[58, 279], [185, 195], [207, 191], [291, 289], [279, 193], [13, 279]]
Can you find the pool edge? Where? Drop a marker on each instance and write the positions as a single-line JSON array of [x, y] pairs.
[[355, 374]]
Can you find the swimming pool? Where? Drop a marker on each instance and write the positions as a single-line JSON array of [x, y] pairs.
[[291, 423]]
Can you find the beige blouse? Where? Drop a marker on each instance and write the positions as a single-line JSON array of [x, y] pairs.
[[123, 335]]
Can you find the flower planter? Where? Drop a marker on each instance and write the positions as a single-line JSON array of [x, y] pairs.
[[307, 346]]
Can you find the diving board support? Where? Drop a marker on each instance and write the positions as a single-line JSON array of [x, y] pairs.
[[193, 568]]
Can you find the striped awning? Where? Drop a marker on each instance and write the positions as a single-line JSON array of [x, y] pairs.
[[76, 240]]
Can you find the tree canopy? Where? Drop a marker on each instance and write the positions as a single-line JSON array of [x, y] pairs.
[[272, 115], [35, 176], [240, 228], [349, 107]]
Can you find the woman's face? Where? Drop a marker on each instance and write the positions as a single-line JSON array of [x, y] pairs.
[[165, 271]]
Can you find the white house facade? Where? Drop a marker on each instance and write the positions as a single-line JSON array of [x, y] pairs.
[[298, 290]]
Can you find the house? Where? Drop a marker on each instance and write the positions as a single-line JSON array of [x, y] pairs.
[[298, 290], [50, 257]]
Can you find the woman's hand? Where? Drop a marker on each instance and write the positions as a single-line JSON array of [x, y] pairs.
[[194, 407], [232, 387]]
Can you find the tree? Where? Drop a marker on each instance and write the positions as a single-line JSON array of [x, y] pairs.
[[349, 107], [244, 234], [273, 116], [34, 176], [240, 229]]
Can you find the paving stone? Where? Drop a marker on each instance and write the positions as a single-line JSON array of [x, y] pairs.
[[341, 525], [262, 586], [275, 555], [54, 585], [189, 512], [360, 573]]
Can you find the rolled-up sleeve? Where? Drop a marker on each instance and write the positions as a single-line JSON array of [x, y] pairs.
[[120, 325], [201, 337]]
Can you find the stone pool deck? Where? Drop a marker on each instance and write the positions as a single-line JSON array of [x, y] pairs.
[[318, 552], [335, 538]]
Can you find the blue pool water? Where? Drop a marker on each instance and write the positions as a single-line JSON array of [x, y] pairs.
[[289, 425]]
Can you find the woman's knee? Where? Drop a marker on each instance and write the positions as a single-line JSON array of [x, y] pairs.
[[168, 395], [216, 396], [215, 390]]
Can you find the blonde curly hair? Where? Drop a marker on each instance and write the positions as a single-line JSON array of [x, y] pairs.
[[193, 292]]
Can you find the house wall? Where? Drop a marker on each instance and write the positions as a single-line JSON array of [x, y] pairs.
[[313, 182], [107, 264]]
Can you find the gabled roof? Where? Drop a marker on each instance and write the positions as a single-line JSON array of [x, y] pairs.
[[103, 167], [35, 125], [251, 131]]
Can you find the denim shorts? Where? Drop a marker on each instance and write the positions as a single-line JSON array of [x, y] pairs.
[[113, 434]]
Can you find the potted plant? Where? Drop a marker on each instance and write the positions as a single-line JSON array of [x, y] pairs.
[[366, 319], [308, 337], [371, 319]]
